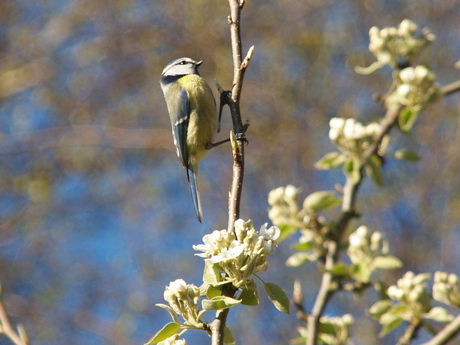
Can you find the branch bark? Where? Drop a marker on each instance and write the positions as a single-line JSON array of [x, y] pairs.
[[446, 334], [233, 101], [8, 330]]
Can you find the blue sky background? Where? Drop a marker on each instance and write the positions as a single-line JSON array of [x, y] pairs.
[[96, 215]]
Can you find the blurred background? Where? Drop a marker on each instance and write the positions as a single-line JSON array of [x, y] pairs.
[[95, 211]]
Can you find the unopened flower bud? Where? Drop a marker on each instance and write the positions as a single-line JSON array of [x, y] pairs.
[[408, 75], [404, 90]]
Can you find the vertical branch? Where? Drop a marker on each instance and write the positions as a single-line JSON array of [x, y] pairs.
[[239, 68], [350, 191], [233, 101]]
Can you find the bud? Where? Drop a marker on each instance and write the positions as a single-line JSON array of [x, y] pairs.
[[404, 90], [407, 75]]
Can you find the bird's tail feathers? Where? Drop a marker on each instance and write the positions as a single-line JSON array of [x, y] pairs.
[[195, 195]]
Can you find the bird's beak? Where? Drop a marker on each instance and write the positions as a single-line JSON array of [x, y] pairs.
[[198, 63]]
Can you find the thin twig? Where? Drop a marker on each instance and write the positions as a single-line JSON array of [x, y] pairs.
[[409, 334], [233, 101], [324, 294], [234, 104], [446, 334], [8, 330]]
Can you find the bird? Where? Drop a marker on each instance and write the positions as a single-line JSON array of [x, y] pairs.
[[192, 110]]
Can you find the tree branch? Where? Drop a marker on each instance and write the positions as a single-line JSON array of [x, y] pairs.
[[19, 338], [349, 212], [446, 334], [409, 334], [234, 104], [233, 101]]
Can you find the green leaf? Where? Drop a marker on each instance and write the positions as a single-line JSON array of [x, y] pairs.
[[387, 262], [303, 246], [439, 314], [327, 328], [373, 168], [340, 269], [391, 322], [219, 303], [211, 274], [330, 160], [249, 294], [407, 119], [321, 200], [299, 259], [286, 230], [228, 336], [213, 291], [169, 310], [352, 169], [379, 308], [297, 341], [381, 289], [361, 272], [167, 331], [405, 154], [278, 297]]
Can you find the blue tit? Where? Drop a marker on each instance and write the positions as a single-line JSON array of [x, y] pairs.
[[192, 110]]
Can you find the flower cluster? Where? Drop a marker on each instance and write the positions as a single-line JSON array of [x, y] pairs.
[[411, 291], [351, 136], [417, 87], [364, 246], [183, 299], [285, 209], [242, 254], [369, 252], [391, 44], [333, 330], [446, 288]]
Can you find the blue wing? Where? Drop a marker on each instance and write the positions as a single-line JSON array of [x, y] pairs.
[[180, 126]]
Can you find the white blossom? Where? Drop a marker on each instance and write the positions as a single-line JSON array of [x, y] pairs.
[[272, 233]]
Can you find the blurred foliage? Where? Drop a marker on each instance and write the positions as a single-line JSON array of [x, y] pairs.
[[93, 198]]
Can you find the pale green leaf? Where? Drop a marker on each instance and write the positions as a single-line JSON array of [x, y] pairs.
[[373, 168], [303, 246], [380, 307], [340, 269], [249, 294], [330, 160], [299, 259], [407, 119], [219, 303], [228, 336], [405, 154], [286, 230], [278, 297], [321, 200], [211, 274], [361, 272], [352, 169], [213, 291], [381, 289], [439, 314], [169, 310], [167, 331], [387, 262], [389, 323]]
